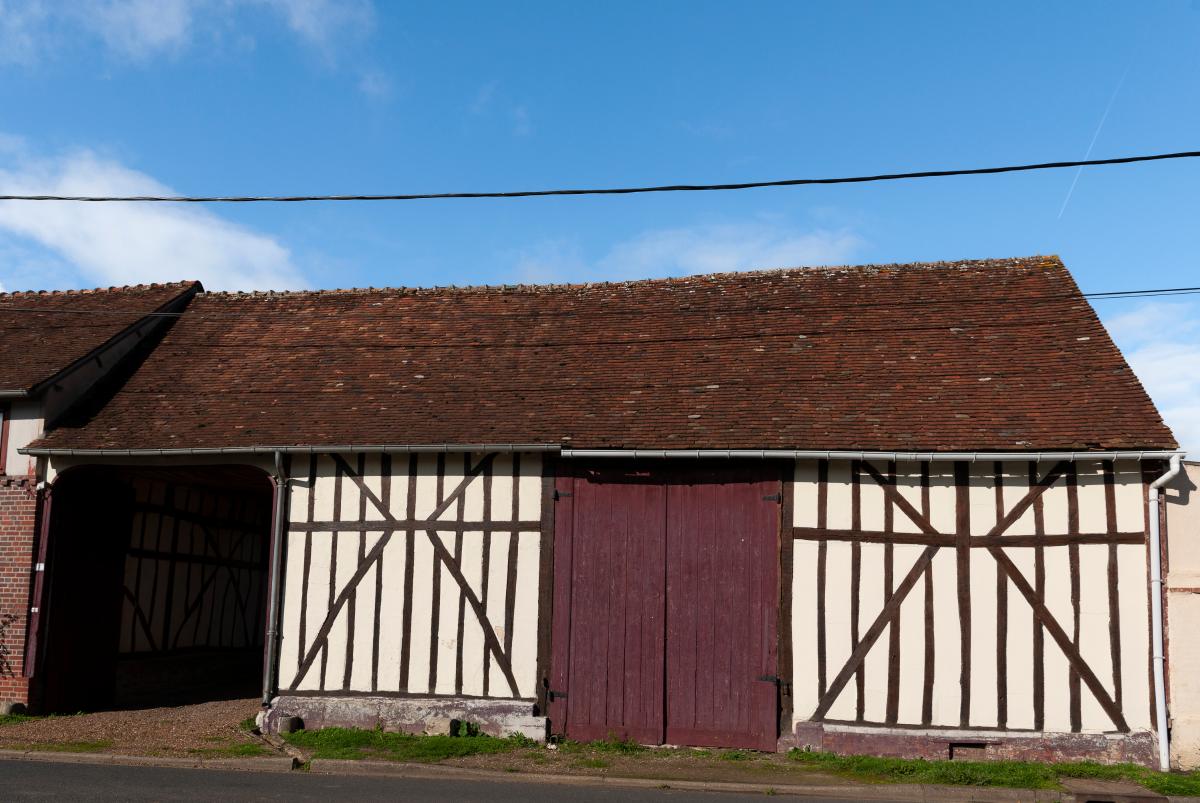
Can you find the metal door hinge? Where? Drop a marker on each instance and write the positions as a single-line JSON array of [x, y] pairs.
[[41, 567], [553, 695], [773, 498], [785, 688], [560, 494]]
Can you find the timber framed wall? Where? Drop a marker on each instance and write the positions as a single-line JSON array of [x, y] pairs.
[[1004, 604], [416, 577], [1008, 598]]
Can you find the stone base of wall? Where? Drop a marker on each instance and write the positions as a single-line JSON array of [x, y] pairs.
[[18, 514], [429, 715], [1139, 748]]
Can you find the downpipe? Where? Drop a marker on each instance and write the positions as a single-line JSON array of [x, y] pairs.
[[275, 587], [1156, 614]]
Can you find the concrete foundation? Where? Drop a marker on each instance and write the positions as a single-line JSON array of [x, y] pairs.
[[428, 715], [1139, 747]]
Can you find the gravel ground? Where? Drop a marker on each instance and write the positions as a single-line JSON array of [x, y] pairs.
[[181, 730]]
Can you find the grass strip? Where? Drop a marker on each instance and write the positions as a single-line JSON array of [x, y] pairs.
[[350, 743], [1009, 774]]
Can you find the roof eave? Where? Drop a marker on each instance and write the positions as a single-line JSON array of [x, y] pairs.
[[569, 452]]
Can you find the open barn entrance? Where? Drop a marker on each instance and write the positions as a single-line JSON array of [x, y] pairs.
[[157, 584]]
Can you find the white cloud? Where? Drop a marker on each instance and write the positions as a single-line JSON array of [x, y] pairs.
[[375, 85], [21, 23], [140, 29], [1161, 341], [483, 98], [320, 21], [691, 250], [127, 243], [522, 127]]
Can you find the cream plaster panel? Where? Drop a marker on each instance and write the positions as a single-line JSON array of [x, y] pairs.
[[912, 637], [391, 618], [1058, 602], [318, 603], [422, 602], [805, 610], [497, 580], [947, 690], [982, 495], [804, 494], [525, 612], [837, 625], [362, 639], [908, 484], [983, 677], [502, 488], [942, 496], [1131, 501], [871, 500], [1094, 643], [871, 596], [838, 496], [1019, 645], [24, 427], [1093, 515], [1135, 633], [447, 647], [1055, 508], [530, 502], [1016, 486], [472, 569]]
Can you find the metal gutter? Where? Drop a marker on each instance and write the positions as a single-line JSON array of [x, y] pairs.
[[823, 454], [568, 453], [279, 523], [14, 394], [1156, 615], [51, 451]]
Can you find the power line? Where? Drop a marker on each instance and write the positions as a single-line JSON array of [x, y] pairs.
[[747, 185], [1108, 295]]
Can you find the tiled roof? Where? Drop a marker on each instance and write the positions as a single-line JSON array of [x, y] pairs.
[[41, 333], [982, 355]]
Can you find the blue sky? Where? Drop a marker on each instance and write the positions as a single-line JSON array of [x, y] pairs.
[[317, 96]]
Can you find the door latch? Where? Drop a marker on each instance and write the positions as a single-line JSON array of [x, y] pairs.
[[553, 695], [784, 687]]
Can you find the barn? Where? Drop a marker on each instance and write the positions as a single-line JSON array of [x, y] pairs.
[[903, 509]]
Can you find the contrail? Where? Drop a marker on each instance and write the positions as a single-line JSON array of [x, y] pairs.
[[1092, 144]]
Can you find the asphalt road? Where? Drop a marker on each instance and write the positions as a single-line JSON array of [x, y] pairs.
[[40, 780]]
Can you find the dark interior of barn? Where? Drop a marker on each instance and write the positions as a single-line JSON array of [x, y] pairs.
[[157, 587]]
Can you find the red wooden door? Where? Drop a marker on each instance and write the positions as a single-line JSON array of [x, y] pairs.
[[666, 602], [611, 525], [722, 608]]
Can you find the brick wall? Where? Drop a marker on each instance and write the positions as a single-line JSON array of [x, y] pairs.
[[18, 512]]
